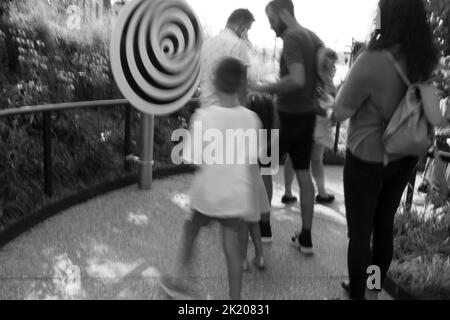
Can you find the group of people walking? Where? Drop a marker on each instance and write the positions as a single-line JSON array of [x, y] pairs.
[[306, 105]]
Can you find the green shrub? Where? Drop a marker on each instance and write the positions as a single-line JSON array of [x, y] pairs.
[[428, 277], [54, 65], [422, 252]]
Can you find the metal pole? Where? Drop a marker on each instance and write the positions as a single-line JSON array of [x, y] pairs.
[[410, 193], [127, 144], [47, 155], [146, 156], [336, 137]]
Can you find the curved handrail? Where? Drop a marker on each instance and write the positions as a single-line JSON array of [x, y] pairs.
[[65, 106], [61, 106]]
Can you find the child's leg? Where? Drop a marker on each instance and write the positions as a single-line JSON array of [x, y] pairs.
[[289, 175], [255, 232], [231, 248], [243, 238], [176, 284], [268, 184], [190, 232], [317, 168]]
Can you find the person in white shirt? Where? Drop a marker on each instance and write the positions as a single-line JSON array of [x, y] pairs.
[[221, 192], [230, 42]]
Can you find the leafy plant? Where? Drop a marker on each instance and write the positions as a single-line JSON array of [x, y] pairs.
[[422, 251]]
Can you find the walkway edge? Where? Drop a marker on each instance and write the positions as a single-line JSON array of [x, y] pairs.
[[32, 220]]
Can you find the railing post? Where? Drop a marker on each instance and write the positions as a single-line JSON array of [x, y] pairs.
[[410, 193], [336, 137], [47, 154], [127, 147], [146, 156]]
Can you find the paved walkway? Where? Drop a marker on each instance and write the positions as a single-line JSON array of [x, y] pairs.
[[123, 240]]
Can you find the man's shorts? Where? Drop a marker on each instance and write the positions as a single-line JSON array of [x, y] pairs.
[[297, 138], [202, 220]]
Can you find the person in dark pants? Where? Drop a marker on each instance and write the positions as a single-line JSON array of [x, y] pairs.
[[369, 97], [372, 197]]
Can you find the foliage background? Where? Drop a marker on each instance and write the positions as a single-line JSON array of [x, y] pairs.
[[42, 63], [440, 20]]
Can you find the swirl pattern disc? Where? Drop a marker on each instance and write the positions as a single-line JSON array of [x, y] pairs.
[[155, 54]]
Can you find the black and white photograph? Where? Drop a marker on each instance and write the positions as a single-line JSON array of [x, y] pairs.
[[197, 151]]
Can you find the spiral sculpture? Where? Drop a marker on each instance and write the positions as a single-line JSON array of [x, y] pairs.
[[155, 54]]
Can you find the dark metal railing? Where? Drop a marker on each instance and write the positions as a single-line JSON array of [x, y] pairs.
[[47, 110]]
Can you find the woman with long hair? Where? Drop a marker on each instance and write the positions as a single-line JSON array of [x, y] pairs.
[[369, 97]]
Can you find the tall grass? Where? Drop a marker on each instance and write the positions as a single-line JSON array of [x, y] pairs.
[[422, 252]]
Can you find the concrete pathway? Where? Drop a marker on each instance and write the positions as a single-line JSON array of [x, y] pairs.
[[122, 241]]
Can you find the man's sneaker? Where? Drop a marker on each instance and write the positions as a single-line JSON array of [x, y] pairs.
[[177, 290], [304, 245], [266, 231], [325, 200], [288, 200]]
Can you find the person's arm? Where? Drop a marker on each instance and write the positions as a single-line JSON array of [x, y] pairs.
[[296, 78], [355, 90], [294, 81]]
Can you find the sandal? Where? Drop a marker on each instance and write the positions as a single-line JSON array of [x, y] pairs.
[[259, 263]]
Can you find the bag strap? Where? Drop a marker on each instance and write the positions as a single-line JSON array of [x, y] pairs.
[[405, 79], [397, 67]]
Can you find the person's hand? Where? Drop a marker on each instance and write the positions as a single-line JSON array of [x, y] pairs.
[[254, 96], [320, 111]]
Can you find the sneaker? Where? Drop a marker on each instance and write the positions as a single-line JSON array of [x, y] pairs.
[[288, 200], [177, 290], [266, 231], [304, 245], [325, 200]]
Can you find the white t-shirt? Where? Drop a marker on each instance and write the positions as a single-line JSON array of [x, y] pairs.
[[225, 44], [224, 190]]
